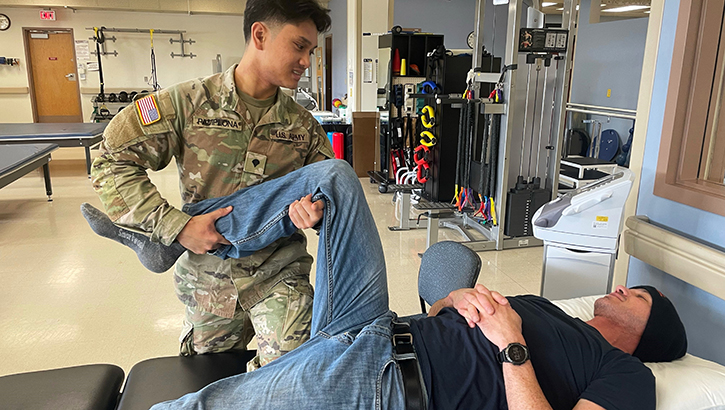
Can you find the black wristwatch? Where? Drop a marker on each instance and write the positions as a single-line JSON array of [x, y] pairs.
[[514, 353]]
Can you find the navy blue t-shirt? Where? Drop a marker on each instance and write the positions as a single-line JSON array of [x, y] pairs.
[[571, 360]]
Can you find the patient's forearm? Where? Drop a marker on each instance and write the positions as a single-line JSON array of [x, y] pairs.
[[522, 389], [439, 305]]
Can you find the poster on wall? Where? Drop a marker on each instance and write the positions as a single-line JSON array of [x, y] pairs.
[[92, 65], [83, 52], [368, 70]]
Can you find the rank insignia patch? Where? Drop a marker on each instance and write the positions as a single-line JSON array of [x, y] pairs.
[[148, 110]]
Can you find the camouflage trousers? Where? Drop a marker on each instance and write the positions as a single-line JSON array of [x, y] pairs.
[[280, 321]]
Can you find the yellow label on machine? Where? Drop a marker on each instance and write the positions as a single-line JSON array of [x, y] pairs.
[[602, 219]]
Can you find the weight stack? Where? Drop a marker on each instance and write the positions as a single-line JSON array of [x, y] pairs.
[[521, 204]]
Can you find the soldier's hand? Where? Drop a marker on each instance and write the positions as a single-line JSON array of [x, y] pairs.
[[305, 213], [200, 235]]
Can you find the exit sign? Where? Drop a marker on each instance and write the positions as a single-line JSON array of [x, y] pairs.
[[47, 15]]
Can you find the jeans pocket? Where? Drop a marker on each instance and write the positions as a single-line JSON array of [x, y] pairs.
[[345, 338]]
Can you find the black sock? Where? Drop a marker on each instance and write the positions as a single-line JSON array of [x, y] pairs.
[[156, 257]]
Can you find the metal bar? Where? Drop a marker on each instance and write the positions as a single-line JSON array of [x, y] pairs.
[[602, 113], [88, 160], [46, 178], [491, 78], [494, 108], [507, 123], [478, 49], [599, 107], [431, 237], [473, 224], [139, 30], [523, 242], [480, 246]]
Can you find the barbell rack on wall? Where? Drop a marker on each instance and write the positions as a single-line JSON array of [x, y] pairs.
[[180, 33]]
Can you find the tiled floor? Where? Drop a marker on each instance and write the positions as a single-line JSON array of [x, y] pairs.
[[73, 298]]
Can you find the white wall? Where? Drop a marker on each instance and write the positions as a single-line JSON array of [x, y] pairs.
[[213, 34], [375, 20]]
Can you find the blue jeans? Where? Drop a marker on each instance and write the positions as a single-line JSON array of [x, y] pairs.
[[349, 360]]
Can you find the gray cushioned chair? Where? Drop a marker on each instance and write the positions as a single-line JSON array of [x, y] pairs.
[[445, 267]]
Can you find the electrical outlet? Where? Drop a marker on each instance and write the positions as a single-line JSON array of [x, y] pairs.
[[145, 79]]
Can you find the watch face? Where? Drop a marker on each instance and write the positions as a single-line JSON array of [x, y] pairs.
[[4, 22], [471, 39], [517, 353]]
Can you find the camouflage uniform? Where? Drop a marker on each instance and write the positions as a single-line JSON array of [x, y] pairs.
[[206, 127]]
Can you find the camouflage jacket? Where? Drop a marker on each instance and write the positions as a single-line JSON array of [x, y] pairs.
[[205, 126]]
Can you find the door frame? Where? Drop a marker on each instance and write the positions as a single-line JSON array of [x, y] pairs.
[[29, 66], [327, 67]]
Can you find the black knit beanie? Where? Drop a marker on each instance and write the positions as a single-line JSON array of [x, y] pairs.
[[664, 338]]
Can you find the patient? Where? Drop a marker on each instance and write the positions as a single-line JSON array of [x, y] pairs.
[[477, 349]]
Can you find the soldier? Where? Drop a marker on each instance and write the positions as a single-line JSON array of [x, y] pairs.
[[226, 132]]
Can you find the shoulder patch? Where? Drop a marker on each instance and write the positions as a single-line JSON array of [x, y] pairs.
[[148, 110], [166, 106]]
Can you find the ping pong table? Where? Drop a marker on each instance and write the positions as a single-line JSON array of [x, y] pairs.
[[19, 160], [86, 135]]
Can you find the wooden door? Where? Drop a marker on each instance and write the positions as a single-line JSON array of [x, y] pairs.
[[53, 76], [328, 73]]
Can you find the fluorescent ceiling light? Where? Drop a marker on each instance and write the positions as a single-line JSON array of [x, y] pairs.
[[646, 12], [548, 4], [626, 8], [561, 9]]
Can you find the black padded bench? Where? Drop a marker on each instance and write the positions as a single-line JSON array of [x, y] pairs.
[[16, 161], [98, 386], [166, 378], [92, 387]]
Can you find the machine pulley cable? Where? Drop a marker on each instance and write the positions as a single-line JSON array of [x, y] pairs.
[[153, 79]]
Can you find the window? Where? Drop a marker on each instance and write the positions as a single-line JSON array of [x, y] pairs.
[[691, 166]]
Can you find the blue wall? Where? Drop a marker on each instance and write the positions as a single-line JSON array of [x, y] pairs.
[[454, 19], [609, 56], [702, 313], [338, 14]]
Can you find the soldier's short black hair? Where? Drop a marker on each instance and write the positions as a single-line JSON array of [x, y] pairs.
[[285, 11]]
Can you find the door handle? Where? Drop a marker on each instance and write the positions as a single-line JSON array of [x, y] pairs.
[[71, 76]]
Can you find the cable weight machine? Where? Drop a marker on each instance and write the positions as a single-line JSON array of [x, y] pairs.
[[498, 121]]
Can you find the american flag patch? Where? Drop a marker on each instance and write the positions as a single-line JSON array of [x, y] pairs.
[[148, 110]]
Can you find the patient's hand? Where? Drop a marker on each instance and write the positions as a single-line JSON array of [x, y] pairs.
[[474, 304], [305, 213], [502, 327]]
